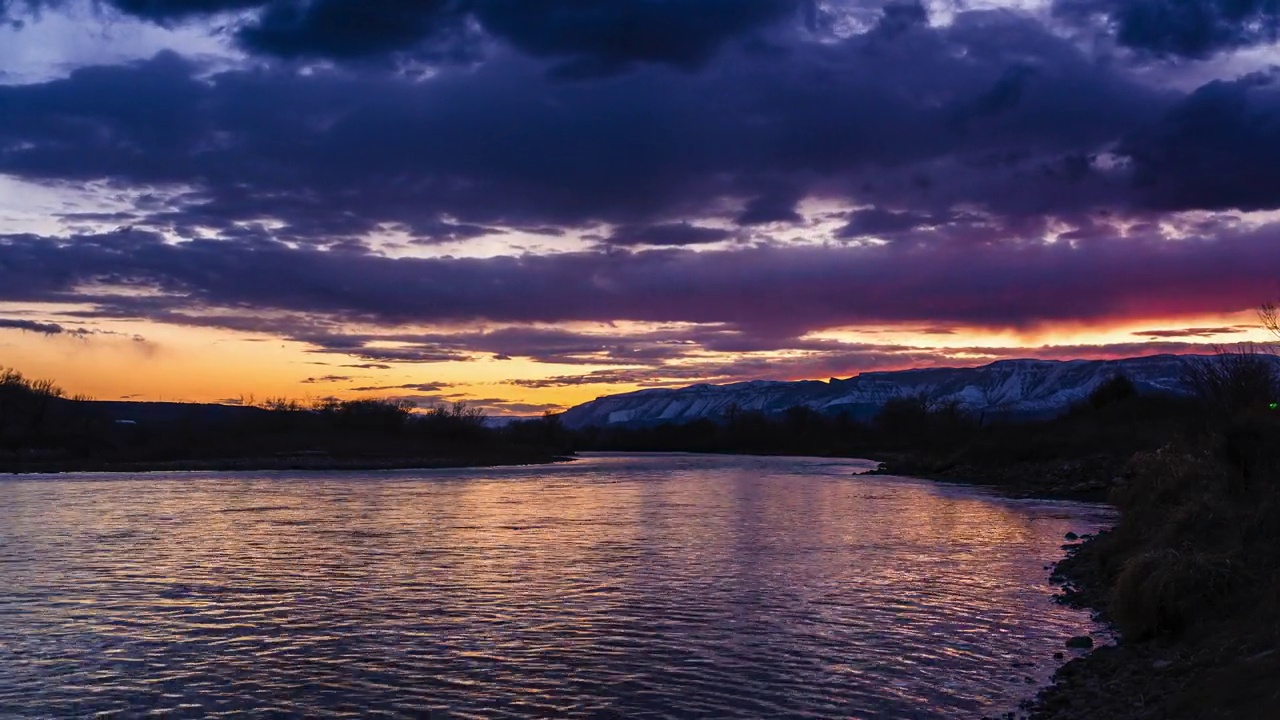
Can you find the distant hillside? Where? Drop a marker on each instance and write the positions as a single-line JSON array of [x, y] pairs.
[[1008, 388]]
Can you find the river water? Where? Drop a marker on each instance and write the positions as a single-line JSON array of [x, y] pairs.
[[659, 586]]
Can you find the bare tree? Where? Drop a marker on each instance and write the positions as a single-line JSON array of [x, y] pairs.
[[1234, 379], [24, 405]]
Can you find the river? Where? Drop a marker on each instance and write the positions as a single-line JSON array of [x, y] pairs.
[[636, 586]]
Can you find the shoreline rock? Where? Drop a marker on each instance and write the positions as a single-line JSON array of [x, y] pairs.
[[1215, 674]]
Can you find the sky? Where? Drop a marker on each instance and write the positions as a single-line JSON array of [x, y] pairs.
[[526, 205]]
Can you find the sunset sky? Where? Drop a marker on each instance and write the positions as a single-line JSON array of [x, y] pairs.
[[525, 205]]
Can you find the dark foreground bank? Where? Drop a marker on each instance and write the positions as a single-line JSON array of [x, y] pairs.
[[1190, 577]]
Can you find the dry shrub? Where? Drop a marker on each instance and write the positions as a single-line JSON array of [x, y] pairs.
[[1251, 446], [1234, 382], [1165, 591], [1191, 539], [1179, 532], [1167, 479]]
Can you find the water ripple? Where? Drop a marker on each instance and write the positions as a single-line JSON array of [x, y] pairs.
[[636, 587]]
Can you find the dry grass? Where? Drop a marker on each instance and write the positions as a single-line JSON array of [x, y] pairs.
[[1165, 591], [1194, 537]]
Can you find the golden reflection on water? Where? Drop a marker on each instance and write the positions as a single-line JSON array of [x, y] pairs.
[[730, 587]]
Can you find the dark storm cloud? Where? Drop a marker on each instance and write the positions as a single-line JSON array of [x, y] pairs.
[[772, 206], [1182, 28], [1111, 351], [845, 361], [599, 38], [1195, 332], [595, 377], [168, 10], [1218, 148], [742, 302], [646, 348], [964, 145], [31, 326], [420, 401], [545, 345], [714, 371], [80, 333], [877, 221], [520, 408], [902, 122], [672, 234], [419, 354], [420, 387], [158, 11], [345, 29], [785, 291], [439, 231], [585, 37]]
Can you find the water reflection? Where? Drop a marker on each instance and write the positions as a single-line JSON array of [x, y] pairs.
[[671, 586]]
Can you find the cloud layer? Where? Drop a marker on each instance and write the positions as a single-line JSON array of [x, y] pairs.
[[434, 181]]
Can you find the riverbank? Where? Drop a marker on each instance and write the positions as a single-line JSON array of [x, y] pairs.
[[1088, 479], [1227, 668], [292, 462], [1188, 577]]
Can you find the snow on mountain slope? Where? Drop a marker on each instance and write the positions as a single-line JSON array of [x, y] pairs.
[[1015, 387]]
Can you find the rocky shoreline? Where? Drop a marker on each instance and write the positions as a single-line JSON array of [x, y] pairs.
[[1088, 686], [1222, 670]]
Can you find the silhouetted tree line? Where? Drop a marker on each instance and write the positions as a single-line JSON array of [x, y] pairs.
[[37, 418], [39, 425]]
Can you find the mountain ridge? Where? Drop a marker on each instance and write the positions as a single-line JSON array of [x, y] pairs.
[[1025, 388]]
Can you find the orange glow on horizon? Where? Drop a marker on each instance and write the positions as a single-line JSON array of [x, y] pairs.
[[139, 360]]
